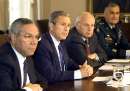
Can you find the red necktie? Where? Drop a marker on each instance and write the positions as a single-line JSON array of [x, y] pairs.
[[87, 46]]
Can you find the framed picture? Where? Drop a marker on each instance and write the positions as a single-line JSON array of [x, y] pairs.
[[99, 5]]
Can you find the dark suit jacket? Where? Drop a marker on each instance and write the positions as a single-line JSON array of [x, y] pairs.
[[47, 62], [10, 75], [76, 47]]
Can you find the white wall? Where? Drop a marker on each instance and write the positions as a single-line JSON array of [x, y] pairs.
[[74, 7], [42, 9], [18, 9]]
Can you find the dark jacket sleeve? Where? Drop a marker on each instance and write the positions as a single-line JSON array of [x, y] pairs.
[[6, 81], [76, 51], [100, 52]]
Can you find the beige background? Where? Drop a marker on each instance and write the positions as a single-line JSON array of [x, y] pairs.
[[42, 9]]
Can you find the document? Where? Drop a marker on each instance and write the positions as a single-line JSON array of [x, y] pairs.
[[104, 79], [119, 61], [116, 84], [107, 67]]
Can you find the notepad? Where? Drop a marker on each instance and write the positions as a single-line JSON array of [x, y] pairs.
[[98, 79], [119, 60], [106, 67]]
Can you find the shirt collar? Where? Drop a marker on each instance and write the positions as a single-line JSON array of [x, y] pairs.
[[20, 57], [56, 42], [83, 38], [111, 26]]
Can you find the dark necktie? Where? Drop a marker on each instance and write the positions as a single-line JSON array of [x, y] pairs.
[[61, 59], [87, 46], [25, 68]]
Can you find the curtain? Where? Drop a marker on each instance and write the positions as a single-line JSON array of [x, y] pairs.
[[4, 20]]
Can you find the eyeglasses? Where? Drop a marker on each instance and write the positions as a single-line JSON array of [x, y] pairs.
[[28, 36]]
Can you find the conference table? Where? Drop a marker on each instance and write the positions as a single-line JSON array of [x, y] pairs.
[[86, 84]]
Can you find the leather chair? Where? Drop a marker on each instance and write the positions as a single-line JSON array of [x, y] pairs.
[[43, 25]]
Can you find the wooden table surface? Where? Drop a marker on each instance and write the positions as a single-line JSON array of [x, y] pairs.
[[86, 84]]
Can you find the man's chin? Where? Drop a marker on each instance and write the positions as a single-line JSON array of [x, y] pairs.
[[114, 22], [63, 38], [89, 36], [30, 54]]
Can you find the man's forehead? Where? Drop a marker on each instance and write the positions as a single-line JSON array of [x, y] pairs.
[[29, 30], [63, 17], [114, 9]]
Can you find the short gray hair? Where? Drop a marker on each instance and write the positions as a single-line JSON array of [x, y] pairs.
[[14, 28], [111, 4], [55, 14], [78, 18]]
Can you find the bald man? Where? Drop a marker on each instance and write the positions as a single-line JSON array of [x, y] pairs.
[[82, 38]]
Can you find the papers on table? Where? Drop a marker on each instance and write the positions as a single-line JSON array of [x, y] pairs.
[[119, 61], [110, 82], [98, 79], [126, 77], [116, 84], [106, 67], [110, 63]]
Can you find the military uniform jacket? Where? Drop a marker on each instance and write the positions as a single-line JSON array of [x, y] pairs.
[[112, 40]]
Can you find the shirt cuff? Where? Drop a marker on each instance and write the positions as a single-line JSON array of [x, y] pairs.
[[127, 53], [86, 61], [97, 58], [77, 74], [27, 89]]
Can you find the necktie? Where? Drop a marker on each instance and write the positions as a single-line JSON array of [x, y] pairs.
[[87, 46], [25, 68], [61, 59]]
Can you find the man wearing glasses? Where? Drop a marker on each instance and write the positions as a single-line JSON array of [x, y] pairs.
[[24, 36]]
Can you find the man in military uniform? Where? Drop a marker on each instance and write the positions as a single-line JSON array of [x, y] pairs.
[[110, 35]]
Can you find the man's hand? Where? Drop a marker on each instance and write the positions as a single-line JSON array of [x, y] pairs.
[[92, 56], [34, 87], [86, 70]]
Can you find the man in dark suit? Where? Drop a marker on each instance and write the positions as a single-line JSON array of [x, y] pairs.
[[82, 37], [110, 34], [51, 58], [23, 36]]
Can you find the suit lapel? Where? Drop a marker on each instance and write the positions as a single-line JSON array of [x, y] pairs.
[[18, 72], [15, 63], [80, 39], [31, 71], [54, 52]]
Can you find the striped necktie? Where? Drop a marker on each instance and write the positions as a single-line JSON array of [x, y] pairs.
[[87, 46], [25, 69], [61, 59]]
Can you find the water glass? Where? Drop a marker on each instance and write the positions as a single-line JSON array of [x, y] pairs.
[[118, 71]]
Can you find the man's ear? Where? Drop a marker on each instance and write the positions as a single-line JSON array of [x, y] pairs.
[[77, 25], [51, 26], [12, 37]]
